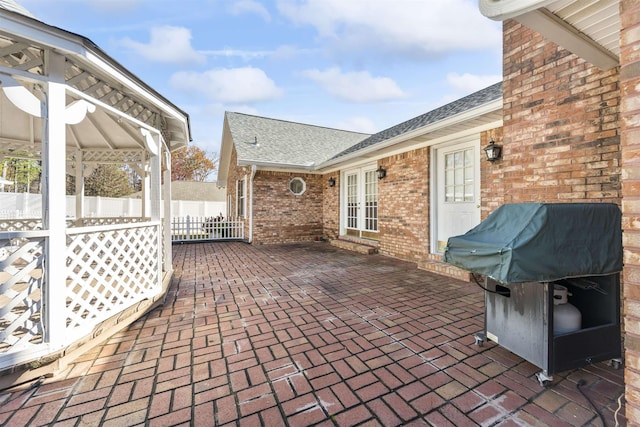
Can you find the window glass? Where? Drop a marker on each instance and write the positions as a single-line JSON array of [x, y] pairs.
[[458, 176], [297, 186]]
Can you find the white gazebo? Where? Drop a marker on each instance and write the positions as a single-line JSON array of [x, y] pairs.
[[65, 282]]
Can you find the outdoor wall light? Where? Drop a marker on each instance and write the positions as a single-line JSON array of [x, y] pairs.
[[382, 172], [493, 151], [332, 182]]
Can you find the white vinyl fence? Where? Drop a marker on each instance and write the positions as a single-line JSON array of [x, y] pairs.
[[29, 205]]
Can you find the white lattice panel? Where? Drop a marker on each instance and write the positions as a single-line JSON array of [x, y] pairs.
[[113, 156], [21, 56], [20, 293], [26, 224], [108, 271], [98, 88], [88, 222]]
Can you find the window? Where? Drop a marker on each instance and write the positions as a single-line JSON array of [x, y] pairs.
[[458, 180], [240, 198], [297, 186]]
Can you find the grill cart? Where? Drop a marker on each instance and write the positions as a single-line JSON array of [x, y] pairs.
[[552, 281]]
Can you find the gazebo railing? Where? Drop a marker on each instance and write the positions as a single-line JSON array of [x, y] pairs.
[[108, 269]]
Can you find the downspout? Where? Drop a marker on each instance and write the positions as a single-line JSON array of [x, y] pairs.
[[253, 174]]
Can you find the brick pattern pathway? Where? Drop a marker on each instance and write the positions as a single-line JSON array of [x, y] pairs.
[[307, 334]]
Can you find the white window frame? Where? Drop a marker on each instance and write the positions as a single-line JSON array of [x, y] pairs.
[[241, 198], [304, 186], [359, 213]]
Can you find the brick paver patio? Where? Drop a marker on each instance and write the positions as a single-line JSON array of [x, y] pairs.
[[308, 334]]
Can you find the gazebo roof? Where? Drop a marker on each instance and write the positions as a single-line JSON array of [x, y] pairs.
[[117, 103], [15, 7]]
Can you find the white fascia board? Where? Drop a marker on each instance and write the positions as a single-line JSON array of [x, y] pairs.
[[98, 61], [306, 167], [226, 149], [459, 118], [32, 30], [499, 10]]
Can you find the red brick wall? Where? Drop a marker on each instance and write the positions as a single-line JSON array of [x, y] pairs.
[[567, 138], [630, 145], [561, 120], [404, 206], [279, 216], [491, 177], [331, 206]]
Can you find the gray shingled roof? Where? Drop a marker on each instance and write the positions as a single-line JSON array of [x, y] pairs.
[[290, 144], [286, 143], [15, 7], [461, 105]]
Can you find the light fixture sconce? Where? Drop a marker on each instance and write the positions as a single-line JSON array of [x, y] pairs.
[[382, 172], [332, 182], [493, 151]]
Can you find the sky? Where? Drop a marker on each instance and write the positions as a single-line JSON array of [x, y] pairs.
[[358, 65]]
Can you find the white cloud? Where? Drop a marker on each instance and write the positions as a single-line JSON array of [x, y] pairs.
[[117, 6], [357, 86], [414, 28], [167, 44], [469, 83], [284, 52], [249, 6], [231, 85], [358, 124]]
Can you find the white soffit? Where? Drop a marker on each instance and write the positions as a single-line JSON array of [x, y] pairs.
[[588, 28]]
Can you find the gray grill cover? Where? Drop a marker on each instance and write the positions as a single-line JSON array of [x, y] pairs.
[[542, 242]]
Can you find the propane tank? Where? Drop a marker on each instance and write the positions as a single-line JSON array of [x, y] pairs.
[[566, 317]]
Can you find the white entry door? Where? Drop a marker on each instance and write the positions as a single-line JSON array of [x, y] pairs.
[[360, 203], [457, 191]]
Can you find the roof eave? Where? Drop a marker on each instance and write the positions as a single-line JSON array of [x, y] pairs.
[[306, 167], [458, 118], [534, 15], [499, 10]]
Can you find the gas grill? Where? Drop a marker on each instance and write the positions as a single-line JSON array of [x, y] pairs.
[[552, 280]]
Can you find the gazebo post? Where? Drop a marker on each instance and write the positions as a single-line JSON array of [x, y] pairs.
[[54, 212], [168, 256], [153, 181]]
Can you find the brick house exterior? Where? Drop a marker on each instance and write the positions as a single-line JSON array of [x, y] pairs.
[[254, 152], [571, 127]]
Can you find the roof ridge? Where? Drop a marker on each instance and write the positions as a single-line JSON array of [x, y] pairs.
[[297, 123]]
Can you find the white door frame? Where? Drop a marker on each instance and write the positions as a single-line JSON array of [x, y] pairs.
[[473, 141], [360, 172]]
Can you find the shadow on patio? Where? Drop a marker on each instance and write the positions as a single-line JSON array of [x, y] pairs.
[[308, 334]]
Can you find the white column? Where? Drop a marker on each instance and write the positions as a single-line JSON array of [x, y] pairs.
[[79, 187], [155, 166], [168, 256], [54, 176]]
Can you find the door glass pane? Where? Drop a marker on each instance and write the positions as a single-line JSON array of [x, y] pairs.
[[352, 201], [459, 176], [371, 201]]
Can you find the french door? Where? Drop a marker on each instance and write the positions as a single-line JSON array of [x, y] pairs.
[[360, 203]]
